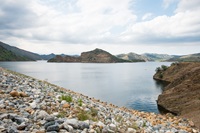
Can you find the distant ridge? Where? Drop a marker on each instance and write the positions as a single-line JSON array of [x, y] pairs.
[[187, 58], [133, 57]]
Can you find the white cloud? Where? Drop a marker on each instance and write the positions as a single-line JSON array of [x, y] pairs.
[[181, 27], [188, 5], [83, 24], [147, 16]]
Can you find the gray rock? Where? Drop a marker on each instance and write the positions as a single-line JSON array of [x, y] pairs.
[[3, 116], [83, 125], [72, 122], [131, 130], [22, 126], [112, 126], [33, 104], [12, 129], [53, 128], [42, 114], [46, 125]]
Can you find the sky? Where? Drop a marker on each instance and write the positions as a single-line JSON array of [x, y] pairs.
[[117, 26]]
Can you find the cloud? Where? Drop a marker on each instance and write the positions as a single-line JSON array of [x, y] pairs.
[[191, 5], [100, 22], [183, 26], [147, 16]]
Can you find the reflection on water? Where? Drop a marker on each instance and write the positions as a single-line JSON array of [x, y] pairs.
[[160, 84], [123, 84]]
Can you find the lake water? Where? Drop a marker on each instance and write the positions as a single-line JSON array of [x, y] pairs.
[[123, 84]]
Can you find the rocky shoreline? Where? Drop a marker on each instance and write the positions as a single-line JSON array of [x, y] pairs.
[[31, 105]]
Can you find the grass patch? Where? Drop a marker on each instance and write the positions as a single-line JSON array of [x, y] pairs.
[[134, 126], [80, 102], [67, 98], [87, 115], [61, 115]]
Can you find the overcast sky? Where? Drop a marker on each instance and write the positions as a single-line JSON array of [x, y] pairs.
[[118, 26]]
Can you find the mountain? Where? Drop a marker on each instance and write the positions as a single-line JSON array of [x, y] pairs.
[[20, 52], [157, 57], [99, 56], [187, 58], [94, 56], [182, 95], [132, 57], [6, 55]]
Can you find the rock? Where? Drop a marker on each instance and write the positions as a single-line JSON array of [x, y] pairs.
[[33, 104], [49, 118], [14, 93], [53, 128], [22, 126], [112, 126], [66, 105], [73, 123], [3, 116], [12, 130], [46, 125], [42, 115], [83, 125], [131, 130], [100, 124], [191, 124], [22, 94]]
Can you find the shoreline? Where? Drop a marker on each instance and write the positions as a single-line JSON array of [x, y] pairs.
[[27, 100]]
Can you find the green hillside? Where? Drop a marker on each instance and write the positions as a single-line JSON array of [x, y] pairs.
[[6, 55]]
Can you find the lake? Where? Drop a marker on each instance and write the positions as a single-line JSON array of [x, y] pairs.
[[123, 84]]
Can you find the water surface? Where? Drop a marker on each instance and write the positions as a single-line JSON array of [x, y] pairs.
[[123, 84]]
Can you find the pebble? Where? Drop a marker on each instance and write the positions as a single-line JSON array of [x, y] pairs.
[[31, 105]]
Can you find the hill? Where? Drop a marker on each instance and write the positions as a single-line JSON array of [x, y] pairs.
[[157, 57], [94, 56], [132, 57], [6, 55], [187, 58], [182, 95], [99, 56], [21, 52]]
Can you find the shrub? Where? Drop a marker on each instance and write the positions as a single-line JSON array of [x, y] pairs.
[[164, 67], [158, 69], [67, 98], [161, 75]]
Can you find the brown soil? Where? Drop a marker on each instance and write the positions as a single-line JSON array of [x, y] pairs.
[[182, 95]]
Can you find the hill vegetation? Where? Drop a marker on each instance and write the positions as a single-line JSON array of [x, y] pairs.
[[6, 55]]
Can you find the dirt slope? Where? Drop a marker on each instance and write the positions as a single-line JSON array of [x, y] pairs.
[[182, 95]]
